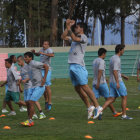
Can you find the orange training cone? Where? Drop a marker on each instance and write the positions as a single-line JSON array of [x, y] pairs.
[[88, 137], [6, 127], [52, 118], [90, 122]]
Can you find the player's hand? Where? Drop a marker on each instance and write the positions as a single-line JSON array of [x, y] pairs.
[[33, 51], [43, 82], [1, 85], [126, 78], [72, 22], [97, 86], [23, 81], [41, 53], [118, 85]]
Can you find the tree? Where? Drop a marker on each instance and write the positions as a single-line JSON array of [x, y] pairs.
[[54, 19]]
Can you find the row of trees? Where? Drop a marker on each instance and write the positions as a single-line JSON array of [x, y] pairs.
[[44, 19]]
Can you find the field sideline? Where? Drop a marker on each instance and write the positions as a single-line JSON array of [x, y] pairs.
[[71, 118]]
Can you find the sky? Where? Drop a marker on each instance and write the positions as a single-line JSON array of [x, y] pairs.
[[111, 38]]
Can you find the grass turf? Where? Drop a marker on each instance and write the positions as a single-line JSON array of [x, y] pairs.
[[71, 118]]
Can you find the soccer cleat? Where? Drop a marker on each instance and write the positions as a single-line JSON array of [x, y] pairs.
[[4, 110], [42, 116], [49, 107], [90, 111], [35, 117], [117, 114], [22, 109], [127, 118], [46, 105], [27, 123], [12, 113], [97, 112]]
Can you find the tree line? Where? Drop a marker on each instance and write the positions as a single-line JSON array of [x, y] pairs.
[[44, 19]]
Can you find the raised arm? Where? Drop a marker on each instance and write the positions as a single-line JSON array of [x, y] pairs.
[[35, 53]]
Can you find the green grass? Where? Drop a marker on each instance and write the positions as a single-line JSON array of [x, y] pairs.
[[71, 118]]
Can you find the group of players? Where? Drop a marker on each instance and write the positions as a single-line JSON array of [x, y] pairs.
[[36, 77]]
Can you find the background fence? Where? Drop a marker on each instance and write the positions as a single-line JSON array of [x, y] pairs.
[[60, 65]]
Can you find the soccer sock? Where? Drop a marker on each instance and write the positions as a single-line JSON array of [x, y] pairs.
[[40, 111], [123, 116]]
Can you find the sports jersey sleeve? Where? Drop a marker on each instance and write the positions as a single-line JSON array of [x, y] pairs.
[[116, 65], [101, 65], [16, 74], [50, 51], [38, 65], [83, 39]]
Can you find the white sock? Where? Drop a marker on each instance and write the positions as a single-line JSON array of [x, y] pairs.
[[123, 116]]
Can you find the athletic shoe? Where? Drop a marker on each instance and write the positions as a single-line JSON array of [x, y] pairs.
[[117, 114], [90, 111], [127, 118], [97, 112], [22, 109], [12, 113], [46, 105], [42, 116], [4, 110], [27, 123], [35, 117], [49, 107]]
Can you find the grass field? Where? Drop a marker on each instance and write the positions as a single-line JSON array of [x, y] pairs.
[[71, 118]]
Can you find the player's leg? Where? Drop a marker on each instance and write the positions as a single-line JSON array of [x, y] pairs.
[[37, 92], [84, 97], [42, 115], [122, 91], [79, 76], [124, 103], [48, 93], [48, 98], [8, 102], [4, 110]]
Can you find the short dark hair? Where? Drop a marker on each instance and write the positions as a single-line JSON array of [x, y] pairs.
[[82, 25], [20, 56], [101, 51], [9, 61], [12, 57], [118, 48], [29, 54]]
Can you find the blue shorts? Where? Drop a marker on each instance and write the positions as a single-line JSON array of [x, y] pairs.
[[48, 78], [27, 94], [114, 92], [78, 74], [102, 91], [6, 88], [37, 92]]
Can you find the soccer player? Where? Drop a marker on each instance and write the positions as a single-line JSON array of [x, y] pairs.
[[13, 87], [38, 88], [117, 86], [28, 86], [45, 57], [14, 60], [100, 87], [78, 72]]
